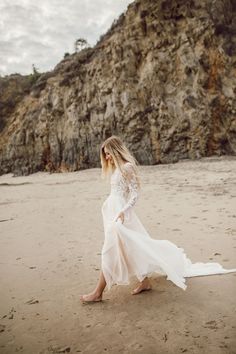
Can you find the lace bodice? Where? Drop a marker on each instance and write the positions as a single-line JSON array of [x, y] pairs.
[[126, 186]]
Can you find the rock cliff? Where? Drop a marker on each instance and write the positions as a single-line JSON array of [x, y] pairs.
[[163, 78]]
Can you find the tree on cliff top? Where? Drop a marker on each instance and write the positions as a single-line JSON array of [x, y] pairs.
[[80, 44]]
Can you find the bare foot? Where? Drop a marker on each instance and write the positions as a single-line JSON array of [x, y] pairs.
[[92, 297], [143, 286]]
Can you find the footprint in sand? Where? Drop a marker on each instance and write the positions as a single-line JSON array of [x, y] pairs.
[[57, 349], [32, 301], [211, 324], [2, 328]]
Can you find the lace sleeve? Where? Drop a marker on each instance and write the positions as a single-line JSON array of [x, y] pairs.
[[132, 185]]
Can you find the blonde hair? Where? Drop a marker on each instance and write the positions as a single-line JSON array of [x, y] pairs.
[[120, 154]]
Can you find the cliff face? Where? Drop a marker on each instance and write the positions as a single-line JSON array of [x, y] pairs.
[[163, 78], [13, 89]]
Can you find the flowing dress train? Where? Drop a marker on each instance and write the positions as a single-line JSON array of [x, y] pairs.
[[129, 250]]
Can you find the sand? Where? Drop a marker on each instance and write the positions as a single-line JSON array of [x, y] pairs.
[[51, 235]]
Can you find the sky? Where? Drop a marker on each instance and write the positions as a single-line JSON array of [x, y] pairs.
[[40, 32]]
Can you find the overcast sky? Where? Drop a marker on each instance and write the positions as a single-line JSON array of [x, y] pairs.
[[39, 32]]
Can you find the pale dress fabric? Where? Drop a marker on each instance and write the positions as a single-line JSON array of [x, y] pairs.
[[128, 250]]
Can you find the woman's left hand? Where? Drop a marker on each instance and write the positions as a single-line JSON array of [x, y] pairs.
[[121, 216]]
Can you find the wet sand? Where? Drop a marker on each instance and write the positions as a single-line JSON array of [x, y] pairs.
[[51, 235]]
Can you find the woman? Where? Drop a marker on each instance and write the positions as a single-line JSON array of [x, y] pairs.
[[128, 249]]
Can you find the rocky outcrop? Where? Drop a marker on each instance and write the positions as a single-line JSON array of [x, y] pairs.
[[163, 78], [13, 89]]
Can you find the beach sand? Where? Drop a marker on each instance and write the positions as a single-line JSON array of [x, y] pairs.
[[51, 236]]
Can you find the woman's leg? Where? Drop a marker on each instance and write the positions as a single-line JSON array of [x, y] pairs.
[[96, 295], [101, 284]]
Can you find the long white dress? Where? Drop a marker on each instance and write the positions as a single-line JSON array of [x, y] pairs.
[[128, 250]]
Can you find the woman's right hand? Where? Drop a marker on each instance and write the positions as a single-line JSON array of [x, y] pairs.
[[121, 216]]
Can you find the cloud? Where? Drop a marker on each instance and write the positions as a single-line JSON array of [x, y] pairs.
[[40, 32]]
